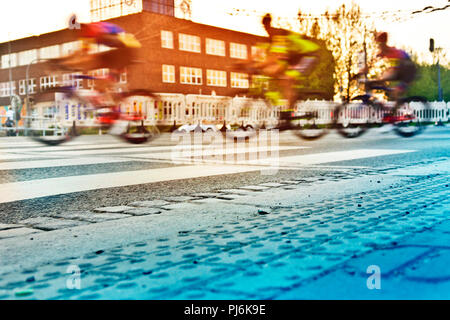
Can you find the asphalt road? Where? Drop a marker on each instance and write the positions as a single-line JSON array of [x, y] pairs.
[[433, 144], [295, 220]]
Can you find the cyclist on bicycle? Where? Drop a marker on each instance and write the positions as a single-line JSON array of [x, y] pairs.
[[289, 58], [402, 70], [122, 49]]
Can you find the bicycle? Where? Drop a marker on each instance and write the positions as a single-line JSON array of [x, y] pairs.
[[96, 109], [261, 109], [355, 116], [10, 130]]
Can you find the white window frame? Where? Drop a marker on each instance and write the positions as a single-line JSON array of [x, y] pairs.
[[239, 80], [215, 47], [190, 75], [258, 53], [238, 50], [70, 47], [50, 52], [167, 39], [190, 43], [4, 89], [26, 57], [70, 80], [48, 82], [7, 88], [7, 59], [168, 73], [216, 78], [96, 73], [123, 77], [31, 86]]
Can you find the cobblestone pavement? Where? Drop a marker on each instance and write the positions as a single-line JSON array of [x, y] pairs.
[[311, 238]]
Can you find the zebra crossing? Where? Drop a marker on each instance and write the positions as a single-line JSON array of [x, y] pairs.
[[176, 162]]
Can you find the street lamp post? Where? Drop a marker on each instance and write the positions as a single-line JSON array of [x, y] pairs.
[[27, 95]]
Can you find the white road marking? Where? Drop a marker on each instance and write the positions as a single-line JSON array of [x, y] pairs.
[[181, 153], [16, 156], [61, 162], [16, 191], [326, 157], [14, 165], [118, 149]]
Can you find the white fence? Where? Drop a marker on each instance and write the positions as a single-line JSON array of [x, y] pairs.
[[179, 108]]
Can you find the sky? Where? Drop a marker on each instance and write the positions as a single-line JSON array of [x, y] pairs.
[[22, 18]]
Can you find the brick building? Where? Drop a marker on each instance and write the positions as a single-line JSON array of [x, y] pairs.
[[178, 56]]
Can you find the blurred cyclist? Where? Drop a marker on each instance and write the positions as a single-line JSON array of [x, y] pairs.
[[289, 58], [122, 49], [402, 70]]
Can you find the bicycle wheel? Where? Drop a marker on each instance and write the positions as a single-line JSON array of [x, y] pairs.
[[246, 118], [409, 116], [48, 123], [305, 123], [132, 125], [351, 120]]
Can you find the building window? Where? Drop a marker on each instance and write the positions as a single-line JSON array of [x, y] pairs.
[[48, 82], [258, 53], [166, 39], [4, 89], [70, 47], [239, 80], [70, 79], [168, 73], [216, 78], [99, 73], [215, 47], [7, 59], [123, 77], [28, 56], [190, 75], [49, 52], [7, 88], [107, 9], [166, 7], [189, 43], [31, 86], [238, 51]]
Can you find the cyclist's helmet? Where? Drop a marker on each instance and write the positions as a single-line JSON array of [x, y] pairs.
[[98, 29], [381, 37]]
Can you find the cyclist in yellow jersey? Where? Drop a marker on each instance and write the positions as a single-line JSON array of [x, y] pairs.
[[289, 58]]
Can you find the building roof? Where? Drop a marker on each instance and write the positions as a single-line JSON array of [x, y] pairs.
[[67, 33]]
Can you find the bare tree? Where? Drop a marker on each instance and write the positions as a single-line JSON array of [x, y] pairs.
[[351, 40]]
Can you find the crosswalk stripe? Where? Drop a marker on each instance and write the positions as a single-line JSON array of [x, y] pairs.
[[61, 162], [16, 156], [23, 190], [326, 157], [16, 191], [181, 153], [56, 163]]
